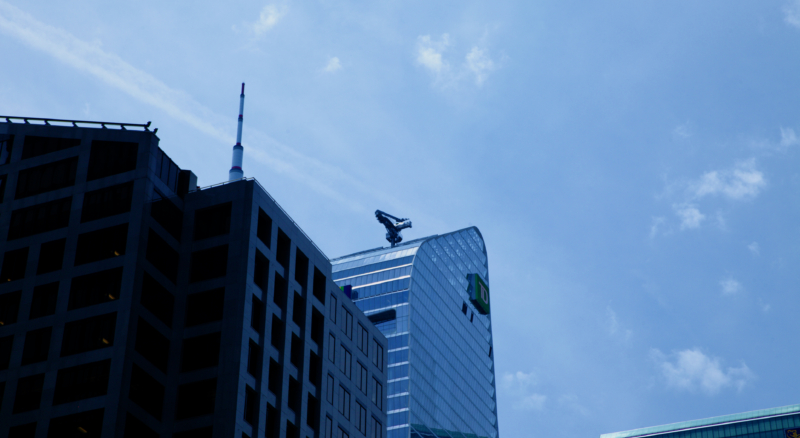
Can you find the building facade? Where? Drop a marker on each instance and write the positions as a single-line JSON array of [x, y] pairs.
[[422, 296], [134, 304], [783, 422]]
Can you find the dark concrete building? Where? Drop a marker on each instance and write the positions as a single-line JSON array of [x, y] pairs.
[[133, 304]]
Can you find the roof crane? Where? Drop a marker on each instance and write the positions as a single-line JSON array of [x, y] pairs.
[[393, 226]]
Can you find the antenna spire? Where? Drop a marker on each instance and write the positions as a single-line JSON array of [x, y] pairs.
[[236, 172]]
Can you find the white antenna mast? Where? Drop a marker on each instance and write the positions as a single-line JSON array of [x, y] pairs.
[[236, 173]]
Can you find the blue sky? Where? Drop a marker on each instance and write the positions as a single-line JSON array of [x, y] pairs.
[[632, 166]]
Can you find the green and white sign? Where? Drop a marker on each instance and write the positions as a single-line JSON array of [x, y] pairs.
[[479, 293]]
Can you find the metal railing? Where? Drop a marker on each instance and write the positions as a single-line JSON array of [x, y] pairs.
[[276, 203], [27, 121]]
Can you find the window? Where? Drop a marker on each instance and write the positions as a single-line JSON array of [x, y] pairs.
[[345, 363], [377, 428], [342, 433], [464, 307], [256, 314], [204, 307], [273, 429], [330, 389], [27, 430], [162, 256], [292, 431], [362, 379], [39, 218], [363, 339], [202, 432], [200, 352], [29, 393], [361, 418], [250, 405], [6, 343], [297, 352], [14, 263], [9, 307], [254, 360], [37, 345], [166, 170], [331, 348], [96, 288], [261, 271], [299, 310], [146, 392], [6, 146], [90, 421], [328, 427], [347, 323], [111, 158], [319, 285], [136, 428], [284, 248], [35, 146], [106, 202], [101, 244], [152, 345], [51, 256], [264, 229], [278, 332], [280, 291], [157, 299], [168, 216], [47, 177], [275, 384], [3, 179], [344, 402], [209, 263], [88, 334], [312, 412], [332, 309], [82, 382], [314, 369], [378, 358], [295, 395], [301, 268], [212, 221], [377, 396], [196, 399], [317, 326]]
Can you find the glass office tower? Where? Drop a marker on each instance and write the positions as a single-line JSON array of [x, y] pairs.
[[782, 422], [422, 296]]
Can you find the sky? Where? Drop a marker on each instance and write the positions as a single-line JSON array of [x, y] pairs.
[[632, 166]]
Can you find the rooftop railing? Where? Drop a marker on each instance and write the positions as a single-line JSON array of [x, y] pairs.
[[104, 125]]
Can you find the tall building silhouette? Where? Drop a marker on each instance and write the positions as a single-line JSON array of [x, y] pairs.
[[134, 304], [430, 297]]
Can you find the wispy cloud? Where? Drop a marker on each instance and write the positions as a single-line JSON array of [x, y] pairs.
[[791, 13], [333, 65], [689, 215], [613, 325], [754, 249], [269, 16], [430, 54], [691, 370], [519, 386], [743, 181], [682, 131], [112, 70], [730, 286], [658, 222]]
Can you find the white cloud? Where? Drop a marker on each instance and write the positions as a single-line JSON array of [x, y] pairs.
[[429, 53], [657, 222], [268, 18], [479, 64], [333, 65], [788, 138], [689, 215], [682, 131], [693, 371], [764, 306], [730, 286], [519, 386], [741, 182], [613, 325], [791, 13], [754, 249]]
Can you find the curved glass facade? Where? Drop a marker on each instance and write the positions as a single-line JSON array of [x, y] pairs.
[[441, 379]]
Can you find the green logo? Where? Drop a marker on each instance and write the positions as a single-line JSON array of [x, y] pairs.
[[478, 293]]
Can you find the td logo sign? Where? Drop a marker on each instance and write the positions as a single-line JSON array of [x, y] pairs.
[[478, 293]]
